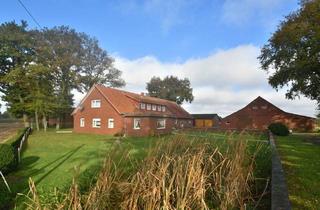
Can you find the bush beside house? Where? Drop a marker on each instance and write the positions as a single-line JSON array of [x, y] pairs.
[[279, 129]]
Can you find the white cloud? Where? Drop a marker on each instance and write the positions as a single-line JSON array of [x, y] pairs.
[[222, 82]]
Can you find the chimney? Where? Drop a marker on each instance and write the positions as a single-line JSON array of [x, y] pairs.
[[142, 93]]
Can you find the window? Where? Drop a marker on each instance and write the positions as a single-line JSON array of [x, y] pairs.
[[142, 106], [82, 122], [96, 122], [264, 107], [136, 123], [154, 107], [148, 106], [110, 123], [161, 124], [254, 107], [159, 108], [163, 108], [95, 103]]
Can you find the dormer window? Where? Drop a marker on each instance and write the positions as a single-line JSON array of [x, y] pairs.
[[163, 108], [154, 107], [142, 106], [96, 103], [148, 106], [159, 108]]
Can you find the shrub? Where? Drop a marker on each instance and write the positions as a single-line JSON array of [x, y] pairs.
[[6, 157], [279, 129], [6, 197]]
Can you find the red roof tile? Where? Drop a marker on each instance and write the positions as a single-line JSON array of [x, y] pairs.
[[128, 103]]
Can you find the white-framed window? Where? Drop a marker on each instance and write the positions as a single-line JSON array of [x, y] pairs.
[[96, 122], [159, 108], [142, 106], [148, 106], [154, 107], [96, 103], [110, 123], [163, 108], [81, 122], [161, 124], [136, 123]]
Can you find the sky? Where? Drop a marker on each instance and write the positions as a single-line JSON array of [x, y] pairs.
[[214, 43]]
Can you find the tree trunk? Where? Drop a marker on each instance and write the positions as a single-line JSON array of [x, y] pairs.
[[58, 123], [36, 120], [25, 120], [24, 115], [44, 122]]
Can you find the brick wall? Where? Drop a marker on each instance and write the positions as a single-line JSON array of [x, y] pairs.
[[259, 114], [105, 112]]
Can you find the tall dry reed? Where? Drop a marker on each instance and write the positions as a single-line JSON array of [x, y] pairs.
[[177, 173]]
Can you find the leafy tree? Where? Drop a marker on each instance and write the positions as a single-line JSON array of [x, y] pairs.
[[16, 53], [293, 51], [42, 101], [77, 62], [65, 52], [5, 115], [39, 69], [97, 66], [171, 88]]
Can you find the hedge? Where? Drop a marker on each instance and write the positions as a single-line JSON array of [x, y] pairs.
[[7, 158], [279, 129], [9, 153]]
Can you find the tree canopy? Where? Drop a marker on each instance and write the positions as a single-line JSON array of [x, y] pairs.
[[292, 54], [171, 88], [40, 68]]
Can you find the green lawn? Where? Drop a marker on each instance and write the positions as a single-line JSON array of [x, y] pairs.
[[52, 160], [300, 156]]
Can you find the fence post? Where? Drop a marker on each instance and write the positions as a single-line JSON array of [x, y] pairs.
[[19, 155], [5, 182]]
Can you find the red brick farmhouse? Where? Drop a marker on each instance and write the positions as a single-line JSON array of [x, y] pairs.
[[111, 111], [260, 113]]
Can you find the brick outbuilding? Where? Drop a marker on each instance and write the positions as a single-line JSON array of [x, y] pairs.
[[260, 113], [107, 110]]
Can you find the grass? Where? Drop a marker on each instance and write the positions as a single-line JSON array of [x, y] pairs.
[[300, 155], [53, 160]]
